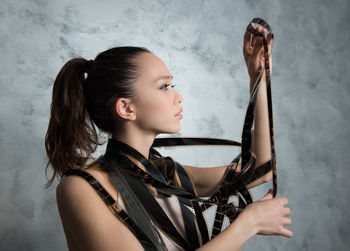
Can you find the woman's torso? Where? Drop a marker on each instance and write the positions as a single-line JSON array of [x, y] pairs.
[[170, 205]]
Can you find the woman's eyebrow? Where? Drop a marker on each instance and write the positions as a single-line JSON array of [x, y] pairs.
[[164, 77]]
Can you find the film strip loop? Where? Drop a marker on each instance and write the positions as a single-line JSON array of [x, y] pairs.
[[234, 184], [254, 31]]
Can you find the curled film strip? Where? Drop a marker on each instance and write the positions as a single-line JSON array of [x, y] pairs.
[[234, 184]]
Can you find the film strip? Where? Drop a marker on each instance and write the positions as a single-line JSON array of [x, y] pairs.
[[263, 23], [234, 184]]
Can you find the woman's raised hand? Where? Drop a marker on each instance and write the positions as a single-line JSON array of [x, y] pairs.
[[268, 215], [253, 52]]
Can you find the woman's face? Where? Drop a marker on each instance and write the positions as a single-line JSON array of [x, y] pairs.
[[157, 103]]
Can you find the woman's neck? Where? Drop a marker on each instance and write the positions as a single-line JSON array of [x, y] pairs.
[[140, 141]]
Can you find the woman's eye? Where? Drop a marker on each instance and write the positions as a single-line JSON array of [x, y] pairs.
[[166, 87]]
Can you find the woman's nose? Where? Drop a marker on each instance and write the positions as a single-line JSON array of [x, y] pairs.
[[178, 98]]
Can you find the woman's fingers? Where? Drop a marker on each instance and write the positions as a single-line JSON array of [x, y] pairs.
[[253, 51], [286, 211], [257, 46], [270, 216], [247, 49], [284, 201], [286, 232], [246, 40], [286, 222], [253, 41], [258, 42]]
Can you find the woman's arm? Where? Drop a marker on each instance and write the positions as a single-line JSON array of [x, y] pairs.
[[208, 180], [254, 57], [266, 216], [234, 236], [87, 221]]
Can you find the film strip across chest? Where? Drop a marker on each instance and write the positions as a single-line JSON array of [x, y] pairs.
[[234, 183], [122, 162]]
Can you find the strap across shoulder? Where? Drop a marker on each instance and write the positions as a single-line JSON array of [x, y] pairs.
[[111, 203], [105, 196]]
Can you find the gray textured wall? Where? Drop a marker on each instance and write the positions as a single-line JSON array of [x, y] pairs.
[[200, 41]]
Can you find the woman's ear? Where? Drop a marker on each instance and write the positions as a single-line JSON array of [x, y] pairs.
[[125, 109]]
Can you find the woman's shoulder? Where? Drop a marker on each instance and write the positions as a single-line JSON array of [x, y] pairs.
[[75, 186], [85, 217]]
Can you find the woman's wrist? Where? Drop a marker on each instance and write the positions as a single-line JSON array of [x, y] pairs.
[[234, 236], [254, 79], [248, 223]]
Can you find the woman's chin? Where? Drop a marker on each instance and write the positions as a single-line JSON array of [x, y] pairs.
[[172, 130], [177, 130]]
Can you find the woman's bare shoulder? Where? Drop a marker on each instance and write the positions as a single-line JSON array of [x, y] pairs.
[[74, 191], [86, 219], [77, 183]]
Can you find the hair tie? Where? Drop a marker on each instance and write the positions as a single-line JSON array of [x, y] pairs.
[[89, 65]]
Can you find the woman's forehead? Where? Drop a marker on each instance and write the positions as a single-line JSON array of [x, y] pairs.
[[152, 67]]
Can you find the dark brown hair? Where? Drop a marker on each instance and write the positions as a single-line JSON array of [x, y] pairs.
[[84, 94]]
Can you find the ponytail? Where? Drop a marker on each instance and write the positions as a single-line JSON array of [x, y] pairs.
[[80, 105], [71, 137]]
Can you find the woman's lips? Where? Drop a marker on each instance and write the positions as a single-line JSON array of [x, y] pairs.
[[179, 115]]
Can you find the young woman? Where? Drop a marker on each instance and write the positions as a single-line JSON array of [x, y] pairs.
[[128, 93]]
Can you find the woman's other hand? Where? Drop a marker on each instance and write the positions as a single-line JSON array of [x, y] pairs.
[[268, 215], [253, 51]]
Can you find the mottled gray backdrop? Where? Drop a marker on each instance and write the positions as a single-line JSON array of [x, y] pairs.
[[201, 42]]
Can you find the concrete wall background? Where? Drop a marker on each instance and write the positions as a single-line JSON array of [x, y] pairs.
[[200, 41]]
